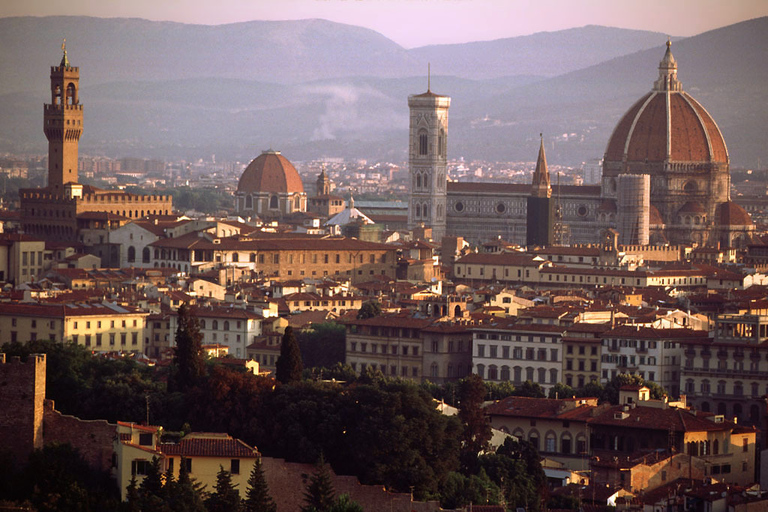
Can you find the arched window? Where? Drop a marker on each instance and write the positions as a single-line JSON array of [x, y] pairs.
[[249, 202], [481, 370], [418, 180], [529, 373], [441, 143], [422, 142], [418, 211], [202, 324], [235, 257], [215, 325], [493, 372], [71, 94], [505, 373], [297, 203], [145, 255], [542, 375], [553, 376], [226, 325], [131, 254], [517, 373], [716, 447], [550, 442], [273, 203]]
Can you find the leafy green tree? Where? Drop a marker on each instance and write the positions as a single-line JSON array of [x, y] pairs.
[[499, 390], [319, 496], [477, 428], [458, 490], [289, 365], [323, 345], [57, 478], [225, 497], [613, 387], [257, 497], [188, 357], [561, 390], [345, 504], [369, 309], [530, 389]]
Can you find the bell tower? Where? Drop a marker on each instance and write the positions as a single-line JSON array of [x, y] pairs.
[[63, 123], [428, 136]]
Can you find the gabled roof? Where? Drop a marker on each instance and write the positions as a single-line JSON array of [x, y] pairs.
[[215, 445]]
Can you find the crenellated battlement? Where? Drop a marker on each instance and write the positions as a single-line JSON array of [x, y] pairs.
[[21, 403]]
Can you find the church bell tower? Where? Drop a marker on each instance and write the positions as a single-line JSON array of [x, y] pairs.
[[428, 136], [63, 123]]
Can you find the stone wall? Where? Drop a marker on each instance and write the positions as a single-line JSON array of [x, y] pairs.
[[92, 438], [287, 482]]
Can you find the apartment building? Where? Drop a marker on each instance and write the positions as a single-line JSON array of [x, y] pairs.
[[103, 327], [504, 350], [653, 354], [231, 326]]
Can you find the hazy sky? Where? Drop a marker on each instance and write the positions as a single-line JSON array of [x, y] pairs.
[[419, 22]]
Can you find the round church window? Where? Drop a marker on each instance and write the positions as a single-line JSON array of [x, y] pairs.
[[582, 211], [459, 206], [501, 208]]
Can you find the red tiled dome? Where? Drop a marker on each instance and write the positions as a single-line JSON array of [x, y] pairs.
[[642, 134], [270, 172], [731, 214], [692, 207], [654, 216], [667, 125]]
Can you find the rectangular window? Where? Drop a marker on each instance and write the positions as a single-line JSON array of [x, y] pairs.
[[111, 339], [188, 464], [123, 338], [87, 340], [145, 439], [134, 338], [139, 467], [234, 466]]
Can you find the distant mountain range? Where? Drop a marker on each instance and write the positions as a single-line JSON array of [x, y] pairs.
[[315, 88]]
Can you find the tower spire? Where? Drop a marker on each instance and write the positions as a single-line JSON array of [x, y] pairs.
[[429, 77], [64, 59], [667, 80], [541, 182]]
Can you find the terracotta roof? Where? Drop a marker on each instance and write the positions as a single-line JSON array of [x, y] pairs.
[[270, 172], [654, 216], [544, 408], [731, 214], [219, 446], [677, 420]]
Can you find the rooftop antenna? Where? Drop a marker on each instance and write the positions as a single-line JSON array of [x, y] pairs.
[[429, 77]]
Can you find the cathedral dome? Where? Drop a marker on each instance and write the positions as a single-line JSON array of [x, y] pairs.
[[731, 214], [667, 125], [270, 172]]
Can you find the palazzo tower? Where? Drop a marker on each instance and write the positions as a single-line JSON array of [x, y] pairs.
[[63, 123], [427, 161]]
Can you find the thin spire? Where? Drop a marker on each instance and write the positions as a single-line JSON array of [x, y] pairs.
[[429, 77], [541, 182], [64, 59]]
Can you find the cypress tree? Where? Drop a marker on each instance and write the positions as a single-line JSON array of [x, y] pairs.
[[257, 497], [289, 366], [188, 358], [320, 495], [225, 497]]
